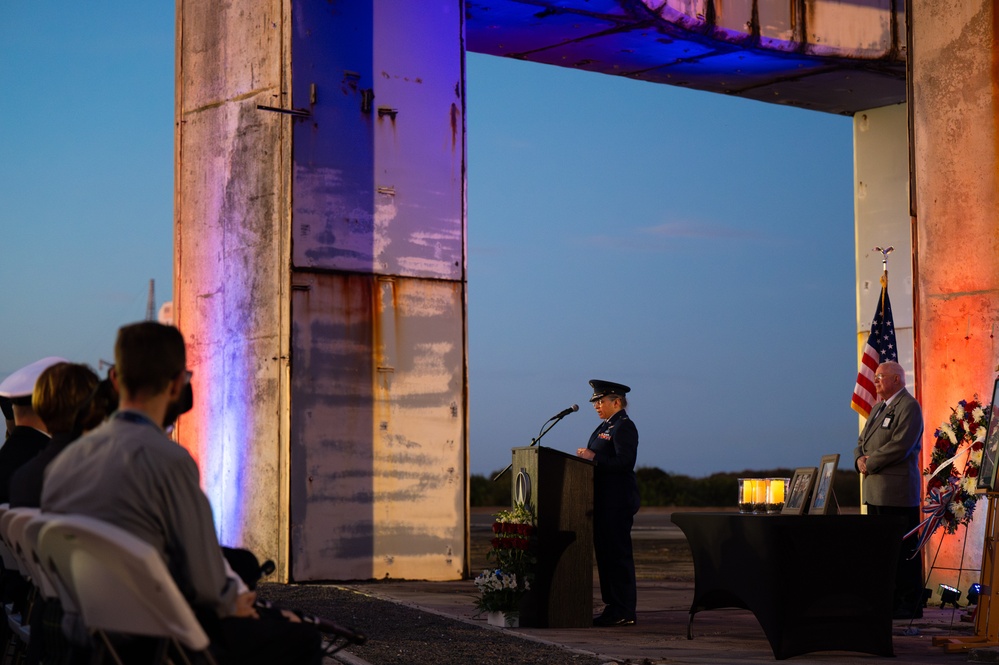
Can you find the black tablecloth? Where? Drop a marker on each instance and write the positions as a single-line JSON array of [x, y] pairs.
[[814, 582]]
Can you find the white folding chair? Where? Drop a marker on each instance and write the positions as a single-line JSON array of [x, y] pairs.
[[9, 562], [26, 546], [119, 584], [16, 613], [14, 521]]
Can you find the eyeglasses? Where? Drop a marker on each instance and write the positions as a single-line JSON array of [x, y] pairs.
[[187, 376], [882, 377]]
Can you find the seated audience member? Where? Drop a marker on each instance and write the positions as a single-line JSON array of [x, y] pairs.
[[29, 435], [8, 416], [70, 400], [129, 473]]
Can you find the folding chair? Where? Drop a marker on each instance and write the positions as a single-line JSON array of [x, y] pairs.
[[119, 584], [9, 562], [26, 548], [12, 523]]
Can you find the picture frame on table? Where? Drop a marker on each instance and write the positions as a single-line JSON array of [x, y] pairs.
[[797, 494], [824, 498], [990, 453]]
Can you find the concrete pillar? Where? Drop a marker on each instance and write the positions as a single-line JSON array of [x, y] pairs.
[[881, 218], [955, 130], [320, 280], [232, 220]]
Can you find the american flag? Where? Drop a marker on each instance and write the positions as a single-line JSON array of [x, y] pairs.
[[880, 347]]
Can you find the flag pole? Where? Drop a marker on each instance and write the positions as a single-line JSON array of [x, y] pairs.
[[884, 274]]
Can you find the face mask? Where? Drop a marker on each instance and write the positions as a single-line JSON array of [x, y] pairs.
[[183, 404]]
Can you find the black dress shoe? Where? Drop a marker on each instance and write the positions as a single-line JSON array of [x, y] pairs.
[[610, 622]]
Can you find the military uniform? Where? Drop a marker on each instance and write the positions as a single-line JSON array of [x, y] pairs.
[[24, 441], [615, 502]]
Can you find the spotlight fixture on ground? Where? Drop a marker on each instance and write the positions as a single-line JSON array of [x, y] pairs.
[[949, 596], [973, 593]]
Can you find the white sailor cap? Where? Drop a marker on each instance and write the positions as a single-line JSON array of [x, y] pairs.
[[22, 382]]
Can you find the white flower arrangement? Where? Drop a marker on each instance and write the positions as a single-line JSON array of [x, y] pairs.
[[499, 591]]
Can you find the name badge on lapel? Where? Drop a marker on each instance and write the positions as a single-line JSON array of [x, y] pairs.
[[886, 423]]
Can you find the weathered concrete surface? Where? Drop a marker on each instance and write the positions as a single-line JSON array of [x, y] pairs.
[[374, 155], [231, 276], [320, 262], [827, 55], [881, 219], [955, 116]]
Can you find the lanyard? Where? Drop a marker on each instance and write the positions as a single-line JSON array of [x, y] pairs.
[[136, 418]]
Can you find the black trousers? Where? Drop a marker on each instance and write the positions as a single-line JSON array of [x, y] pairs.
[[615, 561], [909, 572]]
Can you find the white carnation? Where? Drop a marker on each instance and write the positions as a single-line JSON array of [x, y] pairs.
[[978, 414], [949, 431], [968, 484]]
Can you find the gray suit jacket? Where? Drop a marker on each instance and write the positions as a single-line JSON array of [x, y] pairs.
[[892, 441]]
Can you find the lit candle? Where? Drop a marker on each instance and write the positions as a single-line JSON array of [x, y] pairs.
[[776, 490], [747, 490]]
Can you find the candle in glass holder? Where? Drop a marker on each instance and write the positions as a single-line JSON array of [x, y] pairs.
[[775, 496], [745, 495], [760, 495], [776, 490]]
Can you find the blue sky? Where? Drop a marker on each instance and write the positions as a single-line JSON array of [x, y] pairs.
[[694, 246]]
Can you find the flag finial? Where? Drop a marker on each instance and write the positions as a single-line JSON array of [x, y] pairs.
[[884, 255], [884, 264]]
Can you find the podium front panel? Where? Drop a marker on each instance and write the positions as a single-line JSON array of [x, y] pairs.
[[560, 489]]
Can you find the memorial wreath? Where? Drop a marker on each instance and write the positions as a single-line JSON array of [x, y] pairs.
[[951, 495]]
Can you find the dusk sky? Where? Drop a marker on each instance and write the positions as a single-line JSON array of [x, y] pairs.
[[696, 247]]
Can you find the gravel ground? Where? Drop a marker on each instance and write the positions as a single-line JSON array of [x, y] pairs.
[[398, 634], [401, 635]]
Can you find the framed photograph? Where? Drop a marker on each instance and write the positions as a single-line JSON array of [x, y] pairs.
[[824, 498], [987, 473], [796, 497]]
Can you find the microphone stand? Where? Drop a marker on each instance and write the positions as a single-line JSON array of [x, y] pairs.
[[554, 420]]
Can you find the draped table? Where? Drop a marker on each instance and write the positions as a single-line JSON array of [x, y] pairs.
[[814, 582]]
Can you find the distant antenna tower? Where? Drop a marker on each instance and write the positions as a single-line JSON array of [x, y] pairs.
[[151, 302]]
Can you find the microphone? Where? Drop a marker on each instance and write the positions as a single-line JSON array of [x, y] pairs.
[[564, 412]]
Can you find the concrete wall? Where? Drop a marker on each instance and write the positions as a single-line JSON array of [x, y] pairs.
[[231, 268], [320, 280], [881, 219], [955, 140]]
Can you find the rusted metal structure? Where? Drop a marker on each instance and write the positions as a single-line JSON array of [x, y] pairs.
[[320, 229], [321, 280]]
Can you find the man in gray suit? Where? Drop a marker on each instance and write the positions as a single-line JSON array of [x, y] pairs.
[[887, 455]]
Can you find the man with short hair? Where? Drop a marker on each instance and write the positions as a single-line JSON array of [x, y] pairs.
[[129, 473], [887, 455]]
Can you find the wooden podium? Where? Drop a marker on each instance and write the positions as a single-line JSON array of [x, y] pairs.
[[560, 489]]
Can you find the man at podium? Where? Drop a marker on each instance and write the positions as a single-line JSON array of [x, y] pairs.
[[613, 446]]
